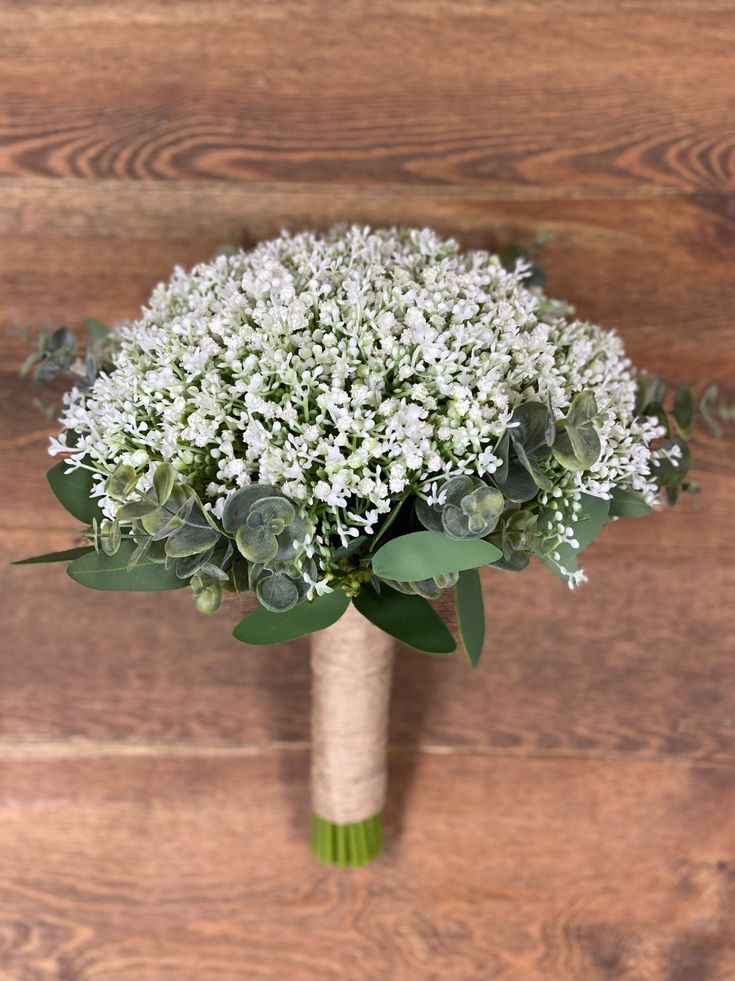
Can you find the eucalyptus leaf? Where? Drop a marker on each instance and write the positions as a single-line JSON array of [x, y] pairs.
[[73, 490], [627, 504], [564, 452], [110, 536], [136, 509], [519, 486], [585, 444], [96, 328], [277, 592], [425, 554], [430, 515], [501, 451], [470, 614], [163, 482], [410, 619], [66, 556], [258, 545], [121, 483], [684, 410], [262, 627], [110, 572], [238, 504], [190, 539], [666, 472]]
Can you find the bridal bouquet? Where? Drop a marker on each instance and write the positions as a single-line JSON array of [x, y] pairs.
[[346, 426]]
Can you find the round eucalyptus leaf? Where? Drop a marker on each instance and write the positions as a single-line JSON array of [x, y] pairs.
[[276, 511], [121, 483], [430, 516], [583, 409], [258, 545], [564, 452], [238, 504], [110, 536], [277, 593], [585, 443], [457, 488]]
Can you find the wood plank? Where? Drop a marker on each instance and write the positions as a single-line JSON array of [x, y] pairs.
[[657, 268], [414, 93], [162, 869], [638, 663]]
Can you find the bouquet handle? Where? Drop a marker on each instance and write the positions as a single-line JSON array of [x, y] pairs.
[[351, 669]]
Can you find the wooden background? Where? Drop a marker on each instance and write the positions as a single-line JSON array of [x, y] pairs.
[[568, 811]]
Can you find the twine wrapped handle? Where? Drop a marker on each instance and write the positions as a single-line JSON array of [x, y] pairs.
[[351, 668]]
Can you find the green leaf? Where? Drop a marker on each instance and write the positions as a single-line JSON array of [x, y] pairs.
[[121, 483], [262, 627], [410, 619], [136, 509], [665, 472], [684, 410], [470, 614], [66, 556], [73, 490], [277, 592], [582, 410], [110, 572], [518, 486], [627, 504], [595, 512], [425, 554], [585, 443], [191, 539], [238, 504], [594, 516], [564, 453], [532, 435], [96, 329], [163, 482]]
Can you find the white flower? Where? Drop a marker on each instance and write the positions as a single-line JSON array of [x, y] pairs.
[[346, 369]]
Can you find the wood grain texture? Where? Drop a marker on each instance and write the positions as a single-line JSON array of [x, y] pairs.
[[347, 94], [568, 810], [173, 868]]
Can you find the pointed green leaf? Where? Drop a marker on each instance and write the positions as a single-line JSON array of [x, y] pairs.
[[410, 619], [110, 572], [66, 556], [470, 614], [73, 490], [262, 627], [425, 554]]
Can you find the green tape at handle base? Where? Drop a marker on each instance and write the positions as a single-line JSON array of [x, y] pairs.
[[347, 845]]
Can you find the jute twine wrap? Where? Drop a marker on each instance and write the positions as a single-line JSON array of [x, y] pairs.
[[351, 667]]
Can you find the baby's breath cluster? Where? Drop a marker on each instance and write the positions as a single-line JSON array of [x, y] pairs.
[[356, 370]]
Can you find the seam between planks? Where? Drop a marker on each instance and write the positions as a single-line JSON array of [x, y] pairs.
[[30, 749], [505, 192]]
